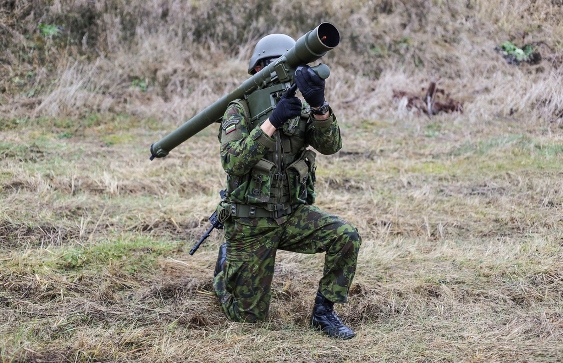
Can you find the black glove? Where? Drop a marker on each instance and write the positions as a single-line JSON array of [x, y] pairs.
[[312, 86], [287, 108]]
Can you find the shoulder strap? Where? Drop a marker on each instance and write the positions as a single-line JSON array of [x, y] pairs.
[[244, 105]]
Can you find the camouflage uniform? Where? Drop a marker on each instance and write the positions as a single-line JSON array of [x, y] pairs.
[[270, 192]]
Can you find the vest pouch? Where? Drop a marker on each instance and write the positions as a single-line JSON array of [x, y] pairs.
[[300, 176], [223, 211], [260, 182], [237, 187]]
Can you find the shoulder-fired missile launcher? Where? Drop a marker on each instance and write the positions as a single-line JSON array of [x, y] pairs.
[[273, 79]]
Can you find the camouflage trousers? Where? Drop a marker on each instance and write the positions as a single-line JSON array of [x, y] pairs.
[[243, 286]]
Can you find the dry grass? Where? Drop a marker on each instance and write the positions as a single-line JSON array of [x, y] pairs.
[[460, 213]]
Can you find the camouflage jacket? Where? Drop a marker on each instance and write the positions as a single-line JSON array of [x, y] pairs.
[[277, 171]]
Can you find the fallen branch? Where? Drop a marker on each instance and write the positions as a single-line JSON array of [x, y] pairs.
[[430, 103]]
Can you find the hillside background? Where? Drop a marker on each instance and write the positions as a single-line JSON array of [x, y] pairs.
[[166, 58], [460, 212]]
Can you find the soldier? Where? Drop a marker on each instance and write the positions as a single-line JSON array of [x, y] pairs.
[[270, 196]]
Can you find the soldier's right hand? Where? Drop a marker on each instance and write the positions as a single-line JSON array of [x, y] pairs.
[[287, 108]]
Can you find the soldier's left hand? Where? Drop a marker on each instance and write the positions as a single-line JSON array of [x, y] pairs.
[[312, 86]]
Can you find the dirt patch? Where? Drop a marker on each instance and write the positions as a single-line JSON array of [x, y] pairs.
[[16, 186], [357, 156], [194, 227], [42, 289], [50, 355], [177, 289], [14, 235], [344, 184], [370, 303]]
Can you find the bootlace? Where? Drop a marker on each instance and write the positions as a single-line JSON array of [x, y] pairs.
[[331, 316]]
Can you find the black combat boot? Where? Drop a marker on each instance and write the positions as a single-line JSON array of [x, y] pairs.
[[221, 259], [325, 319]]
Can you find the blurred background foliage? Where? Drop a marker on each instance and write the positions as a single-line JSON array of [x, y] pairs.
[[175, 45]]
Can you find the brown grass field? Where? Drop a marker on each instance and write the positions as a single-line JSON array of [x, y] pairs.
[[461, 213]]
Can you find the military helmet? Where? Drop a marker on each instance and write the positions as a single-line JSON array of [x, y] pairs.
[[271, 46]]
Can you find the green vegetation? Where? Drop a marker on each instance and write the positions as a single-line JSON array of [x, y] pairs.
[[132, 256], [49, 31], [521, 55], [140, 84]]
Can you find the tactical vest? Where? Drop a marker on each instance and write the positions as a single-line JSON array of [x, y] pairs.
[[284, 178]]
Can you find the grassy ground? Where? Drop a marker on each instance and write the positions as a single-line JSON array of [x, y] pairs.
[[460, 213], [461, 259]]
